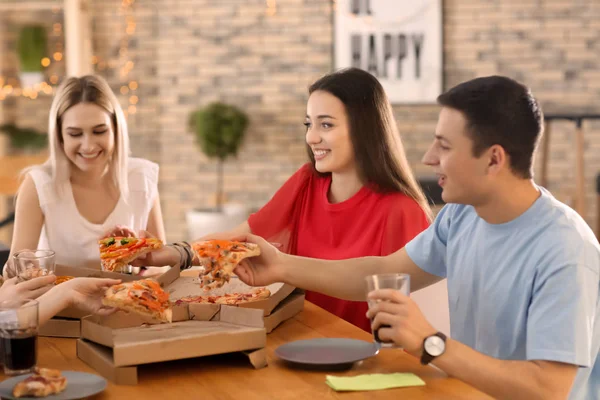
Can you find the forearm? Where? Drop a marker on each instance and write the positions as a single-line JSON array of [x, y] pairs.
[[502, 379], [344, 279], [51, 303]]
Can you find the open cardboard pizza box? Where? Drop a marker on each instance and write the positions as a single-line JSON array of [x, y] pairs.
[[189, 285], [116, 344], [67, 322], [284, 302]]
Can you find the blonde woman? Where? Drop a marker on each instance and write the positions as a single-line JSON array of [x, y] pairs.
[[89, 183]]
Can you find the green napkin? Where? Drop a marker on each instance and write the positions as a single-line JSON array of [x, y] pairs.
[[373, 381]]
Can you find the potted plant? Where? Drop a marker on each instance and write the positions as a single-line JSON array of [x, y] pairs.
[[31, 47], [219, 129], [27, 140]]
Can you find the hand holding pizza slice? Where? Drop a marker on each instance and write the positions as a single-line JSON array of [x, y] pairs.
[[221, 257], [117, 252]]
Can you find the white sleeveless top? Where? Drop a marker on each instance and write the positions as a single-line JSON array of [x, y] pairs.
[[74, 238]]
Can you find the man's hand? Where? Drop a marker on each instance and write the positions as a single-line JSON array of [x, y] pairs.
[[407, 326], [86, 294], [261, 270], [31, 289]]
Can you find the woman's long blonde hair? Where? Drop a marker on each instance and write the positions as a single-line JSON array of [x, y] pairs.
[[86, 89]]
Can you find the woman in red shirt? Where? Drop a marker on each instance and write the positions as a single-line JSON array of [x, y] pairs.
[[357, 196]]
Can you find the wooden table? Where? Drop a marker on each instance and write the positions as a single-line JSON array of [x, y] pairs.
[[230, 377]]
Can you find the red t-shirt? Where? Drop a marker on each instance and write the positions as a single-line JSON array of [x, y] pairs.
[[301, 218]]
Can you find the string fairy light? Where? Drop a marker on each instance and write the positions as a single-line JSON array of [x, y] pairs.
[[10, 86], [271, 7]]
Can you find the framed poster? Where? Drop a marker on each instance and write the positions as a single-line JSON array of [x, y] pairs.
[[398, 41]]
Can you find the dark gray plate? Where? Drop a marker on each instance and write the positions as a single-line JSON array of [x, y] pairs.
[[326, 353], [79, 385]]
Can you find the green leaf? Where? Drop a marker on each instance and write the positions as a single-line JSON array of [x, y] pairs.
[[32, 48], [219, 129], [24, 138]]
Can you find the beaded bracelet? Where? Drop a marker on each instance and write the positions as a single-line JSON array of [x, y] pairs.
[[182, 255], [186, 254]]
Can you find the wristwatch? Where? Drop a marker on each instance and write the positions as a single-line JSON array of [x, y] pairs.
[[433, 346]]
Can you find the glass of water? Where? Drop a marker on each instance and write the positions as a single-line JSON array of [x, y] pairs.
[[399, 282]]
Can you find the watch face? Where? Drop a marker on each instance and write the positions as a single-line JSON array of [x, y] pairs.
[[434, 345]]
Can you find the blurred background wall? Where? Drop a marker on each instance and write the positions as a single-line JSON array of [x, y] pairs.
[[166, 58]]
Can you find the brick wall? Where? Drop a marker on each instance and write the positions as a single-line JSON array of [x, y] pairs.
[[233, 51], [188, 53]]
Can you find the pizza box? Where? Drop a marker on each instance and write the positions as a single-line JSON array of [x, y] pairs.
[[288, 308], [61, 327], [187, 285], [101, 359], [62, 270], [135, 340]]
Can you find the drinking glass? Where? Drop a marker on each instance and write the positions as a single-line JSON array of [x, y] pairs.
[[31, 264], [18, 336], [399, 282]]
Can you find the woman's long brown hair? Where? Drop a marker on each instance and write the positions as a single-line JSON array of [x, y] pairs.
[[378, 149]]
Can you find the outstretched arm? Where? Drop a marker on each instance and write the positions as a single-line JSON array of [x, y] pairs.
[[343, 279]]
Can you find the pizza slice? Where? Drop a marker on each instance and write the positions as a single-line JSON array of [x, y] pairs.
[[43, 382], [62, 278], [144, 297], [228, 298], [118, 252], [221, 257]]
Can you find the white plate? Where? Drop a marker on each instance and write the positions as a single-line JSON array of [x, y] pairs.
[[79, 385]]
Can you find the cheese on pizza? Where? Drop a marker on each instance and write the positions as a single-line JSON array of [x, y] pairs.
[[62, 278], [228, 298], [220, 259], [144, 297], [42, 383]]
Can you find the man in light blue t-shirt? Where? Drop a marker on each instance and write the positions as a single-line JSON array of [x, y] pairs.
[[522, 268]]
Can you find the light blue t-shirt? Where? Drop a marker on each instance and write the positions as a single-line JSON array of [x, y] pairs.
[[523, 290]]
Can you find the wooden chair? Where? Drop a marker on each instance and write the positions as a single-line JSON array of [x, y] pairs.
[[580, 202]]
